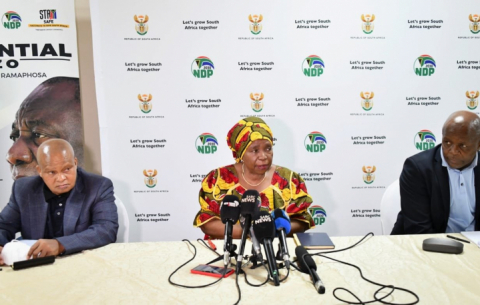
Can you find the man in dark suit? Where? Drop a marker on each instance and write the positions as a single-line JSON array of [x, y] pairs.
[[65, 208], [439, 187]]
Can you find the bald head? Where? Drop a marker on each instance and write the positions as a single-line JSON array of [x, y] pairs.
[[56, 148], [463, 119], [57, 165], [466, 120], [461, 139]]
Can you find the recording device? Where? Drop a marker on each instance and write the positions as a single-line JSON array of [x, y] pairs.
[[283, 227], [249, 207], [307, 265], [264, 228], [33, 262], [229, 214], [212, 271]]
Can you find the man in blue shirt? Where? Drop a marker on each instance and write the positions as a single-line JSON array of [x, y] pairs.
[[438, 186]]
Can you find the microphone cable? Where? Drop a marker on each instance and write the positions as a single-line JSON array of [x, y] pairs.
[[288, 273], [268, 277], [208, 246], [376, 299], [238, 288], [280, 266], [360, 302], [295, 267], [257, 285]]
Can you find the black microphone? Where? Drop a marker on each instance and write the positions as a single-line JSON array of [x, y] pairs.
[[283, 226], [229, 214], [249, 207], [307, 265], [264, 228]]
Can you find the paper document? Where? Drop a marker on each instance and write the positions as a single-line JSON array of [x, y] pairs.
[[474, 236]]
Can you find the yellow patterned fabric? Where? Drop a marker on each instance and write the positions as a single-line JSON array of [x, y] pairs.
[[244, 133], [287, 191]]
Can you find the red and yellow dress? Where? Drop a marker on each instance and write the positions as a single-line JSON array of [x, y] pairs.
[[287, 191]]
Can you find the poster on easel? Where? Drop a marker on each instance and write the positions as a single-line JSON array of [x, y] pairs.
[[39, 84]]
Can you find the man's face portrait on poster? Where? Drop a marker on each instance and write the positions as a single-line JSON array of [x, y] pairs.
[[51, 110]]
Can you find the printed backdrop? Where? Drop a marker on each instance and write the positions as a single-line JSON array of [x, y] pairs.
[[350, 89], [38, 42]]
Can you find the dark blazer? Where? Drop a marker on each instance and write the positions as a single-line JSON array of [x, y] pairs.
[[425, 195], [90, 218]]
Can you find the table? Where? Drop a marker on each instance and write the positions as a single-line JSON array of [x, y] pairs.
[[137, 273]]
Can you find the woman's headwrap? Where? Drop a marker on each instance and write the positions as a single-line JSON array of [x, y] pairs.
[[244, 133]]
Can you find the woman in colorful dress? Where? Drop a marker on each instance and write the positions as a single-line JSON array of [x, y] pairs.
[[251, 142]]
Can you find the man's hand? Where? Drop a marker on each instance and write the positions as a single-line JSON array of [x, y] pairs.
[[1, 259], [45, 247]]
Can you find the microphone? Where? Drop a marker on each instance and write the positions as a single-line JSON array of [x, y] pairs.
[[283, 226], [249, 207], [229, 214], [307, 265], [264, 228]]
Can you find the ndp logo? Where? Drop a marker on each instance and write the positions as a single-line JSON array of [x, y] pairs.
[[315, 142], [206, 143], [11, 20], [318, 214], [313, 66], [202, 67], [424, 140], [424, 65]]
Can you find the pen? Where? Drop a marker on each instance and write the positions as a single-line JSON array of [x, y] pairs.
[[459, 239]]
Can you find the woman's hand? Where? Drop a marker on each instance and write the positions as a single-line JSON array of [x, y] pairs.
[[216, 229], [297, 227]]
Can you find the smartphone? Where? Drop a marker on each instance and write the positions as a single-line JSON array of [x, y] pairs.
[[212, 270]]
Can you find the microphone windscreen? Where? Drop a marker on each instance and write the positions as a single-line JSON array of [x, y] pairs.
[[264, 226], [282, 221], [300, 251], [250, 203], [230, 209]]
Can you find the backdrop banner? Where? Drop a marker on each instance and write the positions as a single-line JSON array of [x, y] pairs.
[[350, 90], [39, 88]]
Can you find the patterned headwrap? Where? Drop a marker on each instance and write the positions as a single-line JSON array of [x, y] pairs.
[[244, 133]]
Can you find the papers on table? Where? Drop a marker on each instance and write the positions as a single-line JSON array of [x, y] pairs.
[[474, 236]]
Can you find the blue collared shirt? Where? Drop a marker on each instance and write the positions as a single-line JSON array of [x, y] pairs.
[[462, 197]]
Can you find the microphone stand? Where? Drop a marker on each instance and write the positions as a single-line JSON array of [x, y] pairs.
[[255, 260], [256, 256], [231, 252], [228, 246]]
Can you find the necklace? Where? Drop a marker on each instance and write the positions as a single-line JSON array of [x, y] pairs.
[[243, 175]]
